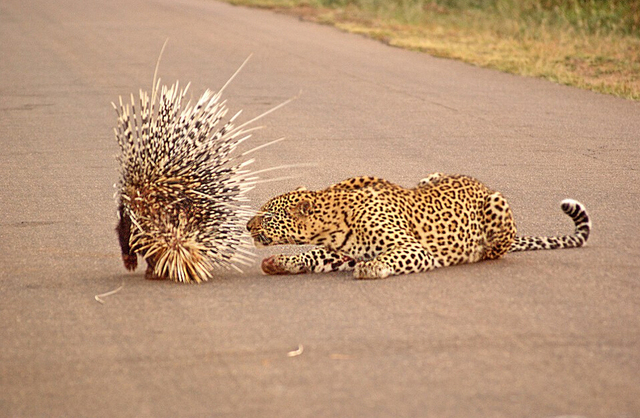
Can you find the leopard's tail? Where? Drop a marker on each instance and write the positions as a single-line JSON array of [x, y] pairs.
[[578, 213]]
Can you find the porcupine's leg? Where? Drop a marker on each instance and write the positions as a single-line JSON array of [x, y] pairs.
[[317, 260], [123, 229], [149, 274]]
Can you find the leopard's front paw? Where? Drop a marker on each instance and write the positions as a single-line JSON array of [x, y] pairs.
[[280, 264], [371, 270], [273, 265]]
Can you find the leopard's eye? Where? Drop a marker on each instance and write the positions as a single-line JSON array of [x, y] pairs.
[[266, 217]]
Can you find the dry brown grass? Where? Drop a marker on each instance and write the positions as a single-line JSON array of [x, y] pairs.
[[602, 61]]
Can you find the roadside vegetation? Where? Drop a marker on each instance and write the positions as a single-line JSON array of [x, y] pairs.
[[591, 44]]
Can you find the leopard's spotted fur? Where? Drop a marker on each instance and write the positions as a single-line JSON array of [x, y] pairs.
[[377, 228]]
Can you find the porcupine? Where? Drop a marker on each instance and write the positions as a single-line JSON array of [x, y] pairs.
[[181, 191]]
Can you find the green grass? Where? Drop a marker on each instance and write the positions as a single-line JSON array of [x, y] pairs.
[[591, 44]]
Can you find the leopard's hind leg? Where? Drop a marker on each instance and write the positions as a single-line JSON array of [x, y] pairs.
[[499, 226], [430, 180]]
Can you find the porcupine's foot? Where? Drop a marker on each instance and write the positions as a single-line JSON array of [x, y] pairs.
[[130, 261], [150, 275]]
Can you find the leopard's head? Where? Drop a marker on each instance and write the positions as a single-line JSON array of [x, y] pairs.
[[290, 218]]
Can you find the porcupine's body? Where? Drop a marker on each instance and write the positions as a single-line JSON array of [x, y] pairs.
[[180, 191]]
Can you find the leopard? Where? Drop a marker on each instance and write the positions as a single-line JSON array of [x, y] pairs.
[[377, 229]]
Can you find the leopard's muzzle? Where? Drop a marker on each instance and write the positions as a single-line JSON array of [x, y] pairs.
[[259, 238]]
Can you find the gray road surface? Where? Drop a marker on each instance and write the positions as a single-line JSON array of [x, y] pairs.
[[544, 334]]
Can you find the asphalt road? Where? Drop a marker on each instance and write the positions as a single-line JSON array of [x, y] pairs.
[[543, 334]]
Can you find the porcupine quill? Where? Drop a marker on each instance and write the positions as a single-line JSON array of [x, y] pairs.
[[181, 192]]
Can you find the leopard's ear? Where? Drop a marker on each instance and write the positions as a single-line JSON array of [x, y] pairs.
[[301, 189], [302, 209]]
